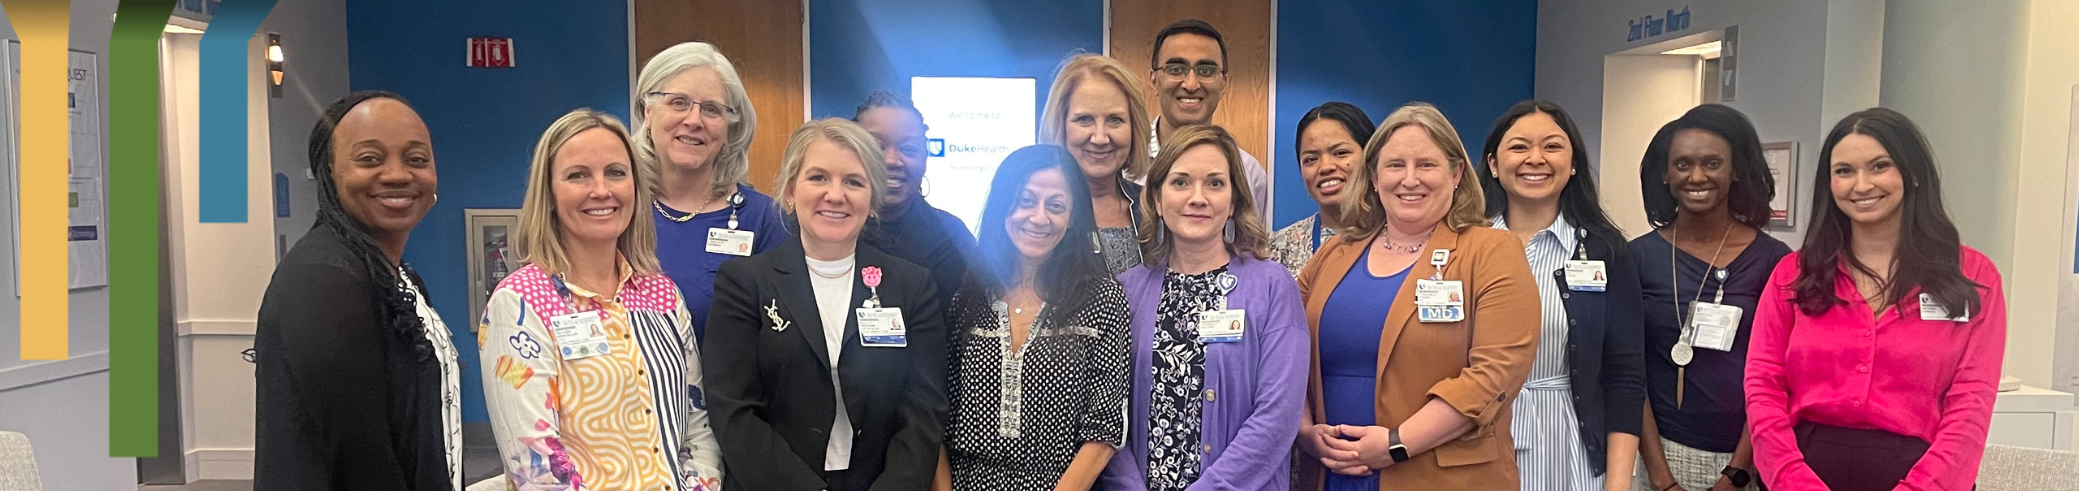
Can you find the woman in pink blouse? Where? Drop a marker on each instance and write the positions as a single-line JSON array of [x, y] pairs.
[[1876, 348]]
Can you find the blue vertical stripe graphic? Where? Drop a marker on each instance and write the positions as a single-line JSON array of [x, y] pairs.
[[222, 95]]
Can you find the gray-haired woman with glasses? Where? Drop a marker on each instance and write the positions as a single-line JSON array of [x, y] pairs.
[[693, 127]]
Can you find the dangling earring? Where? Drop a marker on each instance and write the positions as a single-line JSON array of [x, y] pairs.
[[1228, 232], [1161, 232], [1096, 245]]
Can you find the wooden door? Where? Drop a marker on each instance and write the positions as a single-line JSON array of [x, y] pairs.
[[1245, 25], [763, 40]]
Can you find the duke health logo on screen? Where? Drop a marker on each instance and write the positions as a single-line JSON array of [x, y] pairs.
[[938, 147]]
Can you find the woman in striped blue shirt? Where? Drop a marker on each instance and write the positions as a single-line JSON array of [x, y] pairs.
[[1577, 419]]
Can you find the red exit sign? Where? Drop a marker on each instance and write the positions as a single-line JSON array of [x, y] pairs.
[[491, 52]]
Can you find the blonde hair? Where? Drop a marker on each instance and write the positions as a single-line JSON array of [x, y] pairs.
[[1250, 234], [1082, 67], [1364, 214], [732, 162], [540, 237], [846, 134]]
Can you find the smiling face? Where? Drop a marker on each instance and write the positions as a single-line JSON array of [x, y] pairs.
[[687, 138], [594, 185], [1040, 216], [1197, 196], [1866, 183], [1699, 170], [1326, 153], [830, 194], [1535, 159], [1415, 180], [1187, 98], [1098, 130], [382, 167], [901, 137]]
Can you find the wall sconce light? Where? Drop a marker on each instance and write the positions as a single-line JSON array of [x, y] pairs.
[[274, 64]]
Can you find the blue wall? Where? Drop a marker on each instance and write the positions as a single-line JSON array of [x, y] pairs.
[[1472, 59], [858, 46], [485, 122]]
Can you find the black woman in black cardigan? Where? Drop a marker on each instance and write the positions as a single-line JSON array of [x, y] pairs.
[[358, 387]]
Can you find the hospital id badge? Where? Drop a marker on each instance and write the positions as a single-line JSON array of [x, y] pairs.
[[1587, 276], [1714, 325], [1930, 310], [1222, 326], [580, 335], [730, 241], [882, 328], [1440, 300]]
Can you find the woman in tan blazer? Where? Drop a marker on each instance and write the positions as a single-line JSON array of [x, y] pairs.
[[1415, 393]]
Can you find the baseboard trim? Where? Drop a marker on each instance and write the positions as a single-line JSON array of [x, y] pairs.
[[217, 328], [53, 370], [222, 463]]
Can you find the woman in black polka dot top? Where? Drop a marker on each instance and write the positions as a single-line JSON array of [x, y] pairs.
[[1038, 361]]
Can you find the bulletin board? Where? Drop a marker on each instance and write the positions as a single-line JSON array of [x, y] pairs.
[[86, 199]]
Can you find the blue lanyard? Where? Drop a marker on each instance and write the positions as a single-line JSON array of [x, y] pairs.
[[1317, 232]]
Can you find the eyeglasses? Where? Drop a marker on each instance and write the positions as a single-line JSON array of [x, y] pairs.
[[680, 103], [1176, 71]]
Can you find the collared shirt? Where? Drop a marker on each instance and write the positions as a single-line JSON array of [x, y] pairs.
[[1259, 181], [1932, 379], [1295, 244], [1548, 252], [636, 421]]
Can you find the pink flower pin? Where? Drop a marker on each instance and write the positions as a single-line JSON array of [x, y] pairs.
[[873, 276]]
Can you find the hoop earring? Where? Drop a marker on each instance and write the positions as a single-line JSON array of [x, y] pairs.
[[924, 186], [1228, 232]]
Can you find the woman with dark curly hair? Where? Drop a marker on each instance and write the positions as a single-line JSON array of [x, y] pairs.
[[358, 387]]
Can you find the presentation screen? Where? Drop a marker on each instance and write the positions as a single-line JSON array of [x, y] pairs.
[[974, 123]]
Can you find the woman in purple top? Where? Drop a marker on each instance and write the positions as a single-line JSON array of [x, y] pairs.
[[1214, 403]]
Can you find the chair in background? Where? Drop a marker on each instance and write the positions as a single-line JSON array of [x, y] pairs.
[[18, 463], [2007, 468]]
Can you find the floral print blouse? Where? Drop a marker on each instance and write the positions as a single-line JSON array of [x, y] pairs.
[[629, 419]]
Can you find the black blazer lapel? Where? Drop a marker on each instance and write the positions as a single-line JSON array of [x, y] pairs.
[[854, 381], [798, 299]]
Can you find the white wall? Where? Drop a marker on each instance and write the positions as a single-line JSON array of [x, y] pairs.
[[63, 405], [1784, 81], [314, 44], [1990, 84], [219, 275], [1640, 93]]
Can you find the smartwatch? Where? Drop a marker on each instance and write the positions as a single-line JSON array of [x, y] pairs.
[[1394, 448], [1739, 477]]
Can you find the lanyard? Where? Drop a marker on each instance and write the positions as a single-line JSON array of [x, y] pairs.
[[1317, 233]]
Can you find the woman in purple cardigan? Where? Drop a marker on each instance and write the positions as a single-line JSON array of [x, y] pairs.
[[1219, 337]]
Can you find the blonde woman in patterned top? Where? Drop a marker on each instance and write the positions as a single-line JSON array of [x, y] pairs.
[[590, 372], [1331, 139]]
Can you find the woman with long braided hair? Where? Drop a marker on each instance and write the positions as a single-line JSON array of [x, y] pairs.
[[358, 385]]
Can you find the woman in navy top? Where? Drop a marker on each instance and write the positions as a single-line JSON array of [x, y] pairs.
[[693, 131], [1707, 190]]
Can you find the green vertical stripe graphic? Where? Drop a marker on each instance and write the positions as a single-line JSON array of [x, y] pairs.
[[133, 235]]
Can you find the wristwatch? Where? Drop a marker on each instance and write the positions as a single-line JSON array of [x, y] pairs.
[[1394, 448], [1739, 477]]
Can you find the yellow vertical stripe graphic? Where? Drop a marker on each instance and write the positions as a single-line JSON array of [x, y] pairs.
[[42, 26]]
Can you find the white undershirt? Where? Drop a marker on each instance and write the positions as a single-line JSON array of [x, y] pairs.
[[450, 381], [833, 299]]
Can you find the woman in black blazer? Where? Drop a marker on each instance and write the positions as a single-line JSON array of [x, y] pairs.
[[357, 381], [781, 318], [1578, 419]]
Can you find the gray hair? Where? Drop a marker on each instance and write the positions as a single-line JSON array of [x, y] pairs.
[[732, 163]]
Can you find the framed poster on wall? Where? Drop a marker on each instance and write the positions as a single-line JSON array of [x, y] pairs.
[[490, 253], [1782, 158]]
